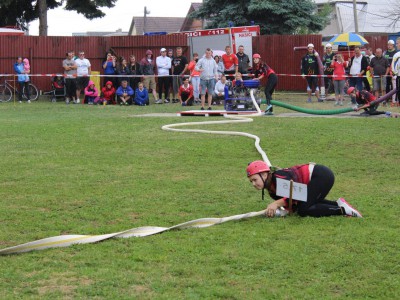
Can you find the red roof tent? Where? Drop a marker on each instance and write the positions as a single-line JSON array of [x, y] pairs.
[[10, 31]]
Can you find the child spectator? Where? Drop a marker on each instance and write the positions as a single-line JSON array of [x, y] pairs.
[[185, 93], [107, 94], [27, 69], [91, 93], [141, 95], [124, 93]]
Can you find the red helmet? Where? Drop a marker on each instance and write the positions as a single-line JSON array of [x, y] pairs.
[[256, 167], [256, 55], [350, 90]]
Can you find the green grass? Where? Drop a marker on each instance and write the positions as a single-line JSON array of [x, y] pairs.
[[92, 170]]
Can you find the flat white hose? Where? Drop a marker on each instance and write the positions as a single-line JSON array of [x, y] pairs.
[[68, 240]]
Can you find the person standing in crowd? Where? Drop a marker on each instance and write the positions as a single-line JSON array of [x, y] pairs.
[[83, 72], [338, 66], [230, 62], [179, 67], [208, 76], [327, 60], [379, 68], [220, 65], [163, 63], [368, 79], [243, 62], [170, 54], [395, 67], [309, 70], [185, 93], [109, 65], [134, 70], [124, 93], [390, 80], [195, 77], [358, 65], [319, 180], [262, 70], [22, 79], [122, 70], [148, 70], [70, 67]]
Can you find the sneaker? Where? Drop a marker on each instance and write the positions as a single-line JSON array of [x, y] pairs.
[[309, 100], [202, 108], [269, 108], [209, 108], [66, 100], [19, 101], [126, 103], [159, 101], [341, 103], [121, 103], [348, 209], [320, 100], [336, 103], [268, 113], [29, 101], [166, 101]]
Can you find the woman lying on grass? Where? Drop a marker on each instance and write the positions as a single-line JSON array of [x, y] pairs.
[[319, 180]]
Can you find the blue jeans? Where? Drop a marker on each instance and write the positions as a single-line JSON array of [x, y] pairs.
[[356, 82], [207, 84]]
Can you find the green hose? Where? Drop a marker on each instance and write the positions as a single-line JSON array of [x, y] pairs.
[[311, 111]]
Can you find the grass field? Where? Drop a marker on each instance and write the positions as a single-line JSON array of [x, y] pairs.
[[91, 170]]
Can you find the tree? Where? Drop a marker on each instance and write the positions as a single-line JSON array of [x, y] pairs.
[[21, 12], [273, 16]]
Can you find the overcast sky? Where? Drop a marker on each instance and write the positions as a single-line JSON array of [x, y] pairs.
[[62, 22]]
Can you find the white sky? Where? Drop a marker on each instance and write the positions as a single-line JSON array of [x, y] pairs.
[[63, 23]]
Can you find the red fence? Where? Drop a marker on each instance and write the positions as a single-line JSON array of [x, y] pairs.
[[46, 53]]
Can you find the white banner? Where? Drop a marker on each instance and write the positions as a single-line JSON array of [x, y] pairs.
[[299, 189]]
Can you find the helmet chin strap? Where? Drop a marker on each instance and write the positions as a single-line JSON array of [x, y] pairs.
[[263, 189]]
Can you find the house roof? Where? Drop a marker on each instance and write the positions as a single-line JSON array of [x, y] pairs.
[[155, 24], [194, 6], [373, 16]]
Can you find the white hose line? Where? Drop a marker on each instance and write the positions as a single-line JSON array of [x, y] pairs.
[[68, 240]]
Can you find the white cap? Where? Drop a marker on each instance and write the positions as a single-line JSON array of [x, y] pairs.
[[328, 46], [310, 46], [391, 42], [163, 49]]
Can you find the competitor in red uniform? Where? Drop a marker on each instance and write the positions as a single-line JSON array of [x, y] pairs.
[[319, 180], [261, 70], [363, 99], [185, 93], [230, 62]]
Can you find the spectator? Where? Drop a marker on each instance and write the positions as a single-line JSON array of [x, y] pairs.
[[91, 93], [148, 70], [185, 93], [123, 70], [195, 77], [309, 70], [22, 79], [262, 70], [338, 66], [230, 61], [107, 94], [219, 90], [327, 61], [109, 65], [134, 70], [390, 80], [368, 79], [319, 180], [243, 62], [124, 93], [208, 76], [379, 69], [141, 95], [83, 71], [170, 54], [163, 65], [220, 65], [358, 67], [179, 67], [27, 69], [395, 67], [70, 67]]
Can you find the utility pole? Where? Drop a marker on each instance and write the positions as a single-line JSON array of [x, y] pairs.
[[146, 12], [42, 4], [355, 16]]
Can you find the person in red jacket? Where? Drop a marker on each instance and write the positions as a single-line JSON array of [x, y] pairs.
[[107, 94], [319, 180], [185, 93]]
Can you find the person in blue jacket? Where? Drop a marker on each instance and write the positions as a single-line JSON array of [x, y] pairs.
[[124, 93], [23, 79], [141, 95]]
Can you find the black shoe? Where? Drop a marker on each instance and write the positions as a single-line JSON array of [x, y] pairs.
[[202, 108], [210, 108]]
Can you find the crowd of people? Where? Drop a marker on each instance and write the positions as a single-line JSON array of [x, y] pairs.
[[375, 72]]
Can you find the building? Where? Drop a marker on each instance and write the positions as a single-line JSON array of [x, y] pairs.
[[190, 24], [155, 24], [119, 32], [374, 17]]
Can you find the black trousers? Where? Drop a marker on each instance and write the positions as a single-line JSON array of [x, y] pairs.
[[70, 87], [318, 188], [270, 87], [163, 85]]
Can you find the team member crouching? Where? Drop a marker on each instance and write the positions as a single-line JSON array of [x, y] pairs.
[[319, 180], [363, 99], [185, 93]]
